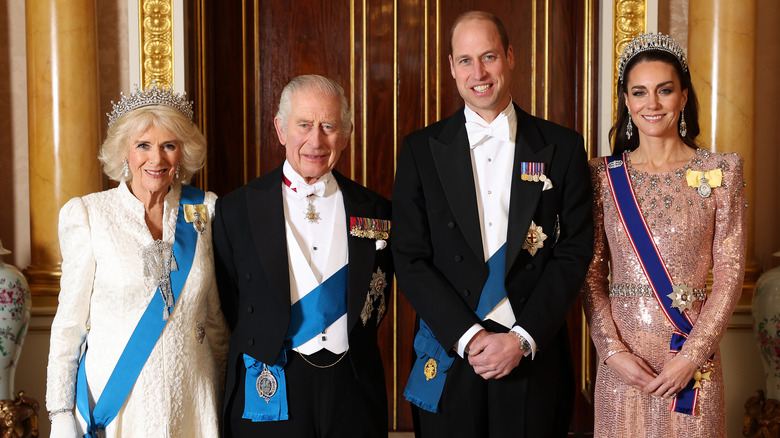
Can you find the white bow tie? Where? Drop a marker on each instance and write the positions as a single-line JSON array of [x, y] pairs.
[[499, 129], [304, 190]]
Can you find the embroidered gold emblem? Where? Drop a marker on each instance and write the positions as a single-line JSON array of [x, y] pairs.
[[430, 369], [682, 297], [375, 298], [534, 239]]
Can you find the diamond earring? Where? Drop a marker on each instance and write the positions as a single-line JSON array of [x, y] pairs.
[[126, 168], [629, 127], [683, 125], [178, 166]]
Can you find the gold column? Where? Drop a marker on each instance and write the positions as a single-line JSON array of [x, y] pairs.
[[64, 134], [722, 57]]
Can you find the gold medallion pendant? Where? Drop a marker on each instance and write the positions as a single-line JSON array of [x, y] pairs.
[[430, 369]]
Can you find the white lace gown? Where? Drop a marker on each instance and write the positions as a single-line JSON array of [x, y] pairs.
[[103, 295]]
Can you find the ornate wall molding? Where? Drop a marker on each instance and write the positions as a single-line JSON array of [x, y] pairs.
[[156, 41], [630, 19]]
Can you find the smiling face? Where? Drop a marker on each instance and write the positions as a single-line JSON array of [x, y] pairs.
[[655, 99], [481, 68], [153, 157], [313, 136]]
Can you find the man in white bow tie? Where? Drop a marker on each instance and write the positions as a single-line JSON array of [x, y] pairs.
[[303, 274], [492, 238]]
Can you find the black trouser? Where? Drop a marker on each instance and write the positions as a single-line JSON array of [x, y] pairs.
[[322, 402]]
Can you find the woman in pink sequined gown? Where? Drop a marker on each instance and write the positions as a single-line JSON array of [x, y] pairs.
[[638, 377]]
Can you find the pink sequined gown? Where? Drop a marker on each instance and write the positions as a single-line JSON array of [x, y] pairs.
[[693, 234]]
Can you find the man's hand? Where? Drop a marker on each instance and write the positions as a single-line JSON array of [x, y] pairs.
[[494, 355]]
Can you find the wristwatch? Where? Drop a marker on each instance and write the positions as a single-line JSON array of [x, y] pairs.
[[524, 344]]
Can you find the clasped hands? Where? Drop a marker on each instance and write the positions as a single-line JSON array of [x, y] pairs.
[[635, 372], [494, 355]]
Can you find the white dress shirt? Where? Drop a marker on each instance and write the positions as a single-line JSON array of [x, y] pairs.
[[315, 250], [492, 159]]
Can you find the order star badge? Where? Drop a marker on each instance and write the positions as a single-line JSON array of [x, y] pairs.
[[534, 239], [682, 297]]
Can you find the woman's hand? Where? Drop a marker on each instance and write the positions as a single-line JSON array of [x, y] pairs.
[[673, 378], [631, 369]]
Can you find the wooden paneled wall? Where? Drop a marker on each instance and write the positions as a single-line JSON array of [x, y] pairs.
[[391, 58]]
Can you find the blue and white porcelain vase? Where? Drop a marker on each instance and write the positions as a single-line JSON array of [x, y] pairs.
[[15, 306], [766, 327]]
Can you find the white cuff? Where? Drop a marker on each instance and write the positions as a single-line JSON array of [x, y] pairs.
[[464, 340]]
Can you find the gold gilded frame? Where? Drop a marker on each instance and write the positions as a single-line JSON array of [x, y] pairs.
[[155, 33]]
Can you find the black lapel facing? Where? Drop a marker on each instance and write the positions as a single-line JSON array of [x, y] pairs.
[[264, 205], [452, 157], [529, 147]]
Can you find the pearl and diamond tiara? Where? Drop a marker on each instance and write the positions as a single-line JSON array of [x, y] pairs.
[[651, 41], [152, 95]]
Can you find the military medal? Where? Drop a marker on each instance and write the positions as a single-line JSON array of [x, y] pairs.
[[703, 182], [532, 171], [370, 228], [197, 215], [198, 223], [704, 189], [430, 369], [312, 215], [682, 297], [266, 384], [534, 239]]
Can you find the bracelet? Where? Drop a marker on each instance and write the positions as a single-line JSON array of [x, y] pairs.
[[524, 344]]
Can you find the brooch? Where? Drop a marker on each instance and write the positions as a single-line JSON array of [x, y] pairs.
[[196, 214], [369, 228], [534, 239], [704, 181], [682, 297]]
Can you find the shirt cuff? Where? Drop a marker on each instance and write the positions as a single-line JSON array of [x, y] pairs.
[[519, 330], [464, 340]]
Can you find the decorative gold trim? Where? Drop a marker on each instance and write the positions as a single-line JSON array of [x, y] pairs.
[[438, 59], [547, 59], [352, 91], [533, 58], [156, 42], [395, 165], [586, 379], [630, 19], [364, 106], [244, 109]]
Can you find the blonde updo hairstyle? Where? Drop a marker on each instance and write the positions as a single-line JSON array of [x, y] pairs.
[[115, 148]]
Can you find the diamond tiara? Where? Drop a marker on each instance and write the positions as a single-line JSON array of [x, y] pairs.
[[152, 95], [651, 41]]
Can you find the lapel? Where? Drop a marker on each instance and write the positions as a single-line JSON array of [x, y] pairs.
[[361, 251], [452, 157], [529, 147], [266, 219]]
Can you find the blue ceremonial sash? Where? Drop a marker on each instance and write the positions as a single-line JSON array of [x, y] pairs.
[[653, 266], [426, 381], [309, 316], [146, 333]]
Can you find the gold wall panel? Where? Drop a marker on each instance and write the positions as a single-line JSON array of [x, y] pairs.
[[156, 42]]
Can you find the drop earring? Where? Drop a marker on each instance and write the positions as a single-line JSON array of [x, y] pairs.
[[683, 125], [629, 127], [178, 166], [126, 168]]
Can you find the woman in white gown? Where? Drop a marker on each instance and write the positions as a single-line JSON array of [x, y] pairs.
[[132, 251]]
